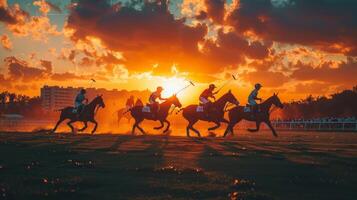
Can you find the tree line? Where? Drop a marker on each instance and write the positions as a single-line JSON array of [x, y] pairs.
[[12, 103], [340, 104]]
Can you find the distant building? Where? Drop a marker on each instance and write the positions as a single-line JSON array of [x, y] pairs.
[[55, 97]]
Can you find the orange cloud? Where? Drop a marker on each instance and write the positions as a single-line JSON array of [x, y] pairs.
[[6, 42]]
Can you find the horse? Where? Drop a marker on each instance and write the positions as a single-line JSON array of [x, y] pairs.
[[236, 114], [87, 115], [216, 115], [138, 114], [122, 113]]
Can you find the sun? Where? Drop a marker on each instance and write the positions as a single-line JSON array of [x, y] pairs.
[[173, 85]]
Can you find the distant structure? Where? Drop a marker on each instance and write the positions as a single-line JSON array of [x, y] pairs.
[[56, 97]]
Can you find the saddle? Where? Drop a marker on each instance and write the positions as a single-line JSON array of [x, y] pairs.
[[146, 108], [250, 108], [199, 108]]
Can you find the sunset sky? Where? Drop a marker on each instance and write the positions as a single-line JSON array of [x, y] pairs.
[[294, 47]]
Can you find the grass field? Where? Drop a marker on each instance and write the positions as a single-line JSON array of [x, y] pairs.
[[256, 166]]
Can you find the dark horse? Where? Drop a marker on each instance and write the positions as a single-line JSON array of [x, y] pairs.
[[216, 114], [87, 115], [237, 114], [162, 114]]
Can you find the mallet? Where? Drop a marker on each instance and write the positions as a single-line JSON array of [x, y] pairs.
[[182, 89], [234, 78]]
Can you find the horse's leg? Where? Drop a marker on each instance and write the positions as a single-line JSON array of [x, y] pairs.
[[271, 128], [168, 125], [160, 127], [57, 124], [95, 126], [257, 128], [84, 127], [137, 126], [230, 127], [70, 125], [133, 129], [218, 124], [190, 125]]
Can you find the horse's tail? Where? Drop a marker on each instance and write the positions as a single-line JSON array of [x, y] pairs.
[[129, 110], [179, 111]]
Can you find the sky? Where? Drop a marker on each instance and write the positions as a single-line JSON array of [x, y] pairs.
[[294, 47]]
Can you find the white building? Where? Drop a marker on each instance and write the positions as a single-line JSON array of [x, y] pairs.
[[55, 97]]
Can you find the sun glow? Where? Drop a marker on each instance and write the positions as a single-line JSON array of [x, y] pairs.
[[173, 85]]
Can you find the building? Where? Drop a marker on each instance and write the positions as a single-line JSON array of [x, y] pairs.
[[55, 97]]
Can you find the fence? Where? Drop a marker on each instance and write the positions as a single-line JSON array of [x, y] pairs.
[[24, 124], [316, 125]]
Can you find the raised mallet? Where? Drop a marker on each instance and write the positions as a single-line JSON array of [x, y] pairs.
[[233, 78], [184, 88]]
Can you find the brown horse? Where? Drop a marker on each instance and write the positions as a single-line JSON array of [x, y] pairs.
[[237, 114], [122, 113], [162, 114], [87, 115], [216, 114]]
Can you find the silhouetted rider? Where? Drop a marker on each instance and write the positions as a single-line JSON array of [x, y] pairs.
[[206, 95], [153, 100], [253, 96], [78, 102]]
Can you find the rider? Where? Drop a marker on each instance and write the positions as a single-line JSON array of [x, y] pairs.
[[153, 100], [253, 96], [205, 95], [129, 102], [78, 102]]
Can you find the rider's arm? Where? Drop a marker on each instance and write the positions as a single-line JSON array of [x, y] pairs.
[[212, 96], [162, 99], [256, 98]]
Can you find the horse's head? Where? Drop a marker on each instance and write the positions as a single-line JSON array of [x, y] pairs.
[[174, 100], [276, 101], [229, 97], [99, 101]]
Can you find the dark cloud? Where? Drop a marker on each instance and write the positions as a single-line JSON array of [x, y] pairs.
[[47, 65], [266, 78], [54, 7], [324, 24], [19, 70], [67, 76], [11, 15], [215, 10], [344, 74], [151, 35]]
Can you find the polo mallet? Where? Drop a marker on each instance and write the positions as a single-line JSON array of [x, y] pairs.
[[91, 83], [184, 88], [234, 78]]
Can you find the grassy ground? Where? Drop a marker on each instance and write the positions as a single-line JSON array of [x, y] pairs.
[[249, 166]]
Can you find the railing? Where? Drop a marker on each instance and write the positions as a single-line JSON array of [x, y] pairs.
[[316, 125], [24, 124]]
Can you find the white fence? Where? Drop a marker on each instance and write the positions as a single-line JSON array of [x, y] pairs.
[[316, 125]]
